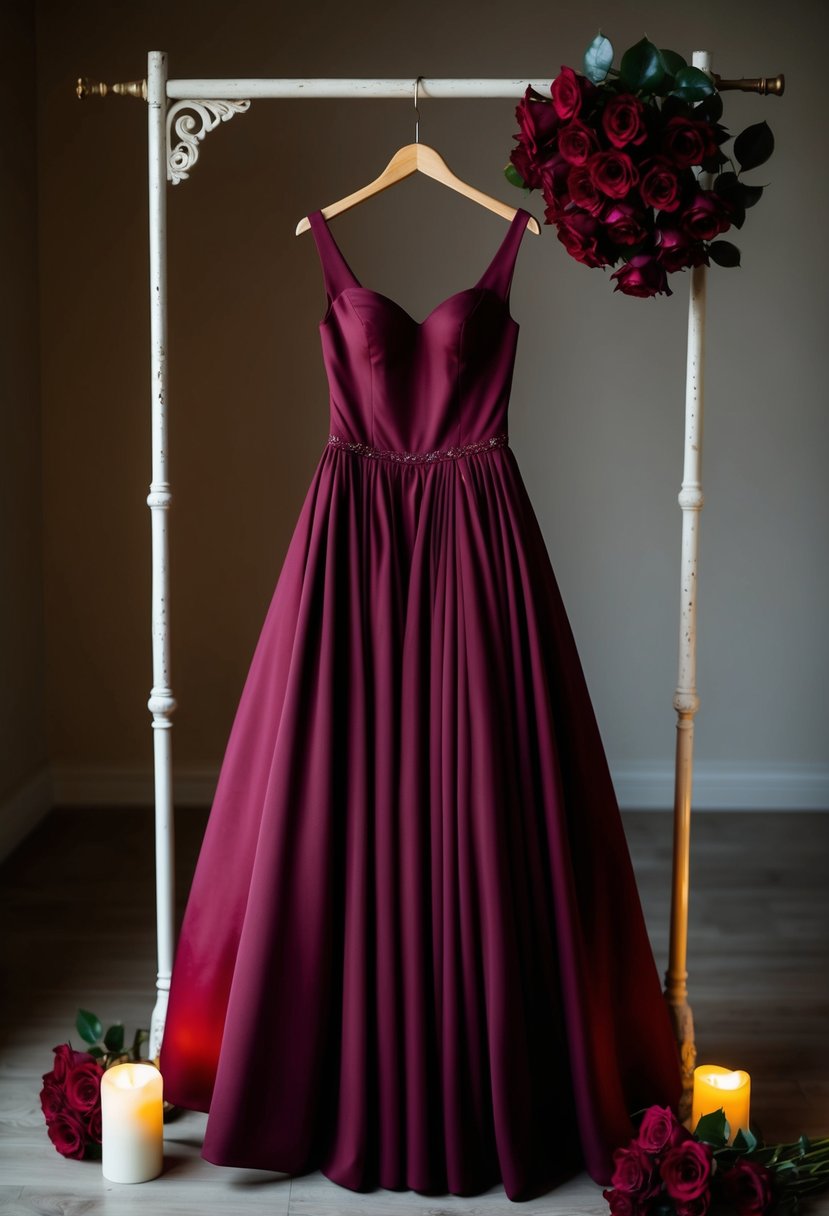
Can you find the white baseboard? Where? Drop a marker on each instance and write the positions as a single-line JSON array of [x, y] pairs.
[[22, 811], [723, 786], [718, 786]]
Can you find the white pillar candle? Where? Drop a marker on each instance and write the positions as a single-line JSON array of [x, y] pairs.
[[132, 1129]]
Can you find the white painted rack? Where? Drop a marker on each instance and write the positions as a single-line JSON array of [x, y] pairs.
[[181, 113]]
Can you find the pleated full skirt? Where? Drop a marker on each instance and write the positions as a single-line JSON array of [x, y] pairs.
[[413, 954]]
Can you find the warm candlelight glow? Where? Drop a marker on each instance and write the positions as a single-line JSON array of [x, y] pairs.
[[716, 1087], [132, 1123]]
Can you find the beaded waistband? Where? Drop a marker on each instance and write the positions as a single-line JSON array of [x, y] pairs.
[[466, 449]]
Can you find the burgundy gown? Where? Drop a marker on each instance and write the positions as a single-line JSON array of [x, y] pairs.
[[413, 954]]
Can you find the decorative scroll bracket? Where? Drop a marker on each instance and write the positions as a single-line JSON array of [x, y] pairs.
[[182, 157]]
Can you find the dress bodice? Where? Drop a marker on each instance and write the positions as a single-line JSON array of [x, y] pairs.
[[417, 388]]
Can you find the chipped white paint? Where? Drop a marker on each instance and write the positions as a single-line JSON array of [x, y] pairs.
[[686, 701], [162, 702]]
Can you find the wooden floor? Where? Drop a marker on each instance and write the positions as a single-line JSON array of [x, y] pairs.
[[77, 908]]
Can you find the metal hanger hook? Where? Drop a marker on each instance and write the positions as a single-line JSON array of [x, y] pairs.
[[417, 112]]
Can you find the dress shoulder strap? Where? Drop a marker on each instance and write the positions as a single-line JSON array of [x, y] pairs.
[[498, 275], [336, 272]]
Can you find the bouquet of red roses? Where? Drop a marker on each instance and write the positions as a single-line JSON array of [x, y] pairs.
[[668, 1171], [618, 154], [71, 1102], [71, 1095]]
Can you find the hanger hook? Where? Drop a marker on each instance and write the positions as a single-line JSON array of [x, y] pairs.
[[417, 112]]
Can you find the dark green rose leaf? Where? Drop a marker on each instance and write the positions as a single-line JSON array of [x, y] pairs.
[[745, 1141], [88, 1026], [114, 1038], [141, 1037], [711, 108], [672, 63], [598, 59], [751, 194], [754, 146], [692, 84], [641, 67], [662, 1207], [513, 176], [96, 1052], [713, 1128], [727, 185]]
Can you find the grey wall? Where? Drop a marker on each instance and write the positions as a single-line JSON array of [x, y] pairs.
[[596, 417]]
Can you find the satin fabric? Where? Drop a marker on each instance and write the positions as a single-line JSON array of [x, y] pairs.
[[413, 953]]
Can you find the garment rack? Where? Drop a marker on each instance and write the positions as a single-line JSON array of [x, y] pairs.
[[181, 113]]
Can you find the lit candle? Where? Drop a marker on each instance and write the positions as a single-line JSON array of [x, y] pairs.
[[131, 1123], [716, 1087]]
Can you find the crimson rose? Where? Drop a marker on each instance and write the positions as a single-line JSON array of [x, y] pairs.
[[623, 120], [67, 1133], [623, 1204], [576, 142], [83, 1085], [642, 276], [625, 223], [538, 122], [581, 236], [614, 173], [689, 142], [705, 216], [695, 1207], [659, 186], [748, 1188], [583, 191], [568, 92], [675, 249], [660, 1129], [555, 175], [635, 1173], [686, 1170]]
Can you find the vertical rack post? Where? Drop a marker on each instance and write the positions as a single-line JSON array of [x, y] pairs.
[[686, 701], [161, 703]]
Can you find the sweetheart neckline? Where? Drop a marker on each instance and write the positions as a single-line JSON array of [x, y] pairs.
[[477, 287], [465, 291]]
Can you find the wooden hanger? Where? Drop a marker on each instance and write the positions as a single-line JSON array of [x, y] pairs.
[[419, 158]]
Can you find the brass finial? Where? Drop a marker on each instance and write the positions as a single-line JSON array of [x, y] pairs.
[[757, 84], [96, 88]]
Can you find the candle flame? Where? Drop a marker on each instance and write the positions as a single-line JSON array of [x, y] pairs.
[[728, 1080], [131, 1076]]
